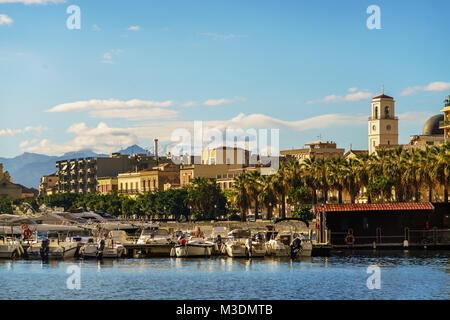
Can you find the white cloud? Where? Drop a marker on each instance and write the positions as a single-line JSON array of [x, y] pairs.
[[216, 102], [354, 95], [414, 116], [433, 86], [108, 56], [96, 28], [13, 132], [134, 28], [105, 139], [95, 104], [38, 2], [217, 36], [135, 114], [189, 103], [101, 139], [4, 19]]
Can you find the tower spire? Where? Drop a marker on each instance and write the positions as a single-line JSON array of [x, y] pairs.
[[382, 89]]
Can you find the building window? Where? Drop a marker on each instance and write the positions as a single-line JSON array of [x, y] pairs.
[[386, 112], [376, 112], [388, 127]]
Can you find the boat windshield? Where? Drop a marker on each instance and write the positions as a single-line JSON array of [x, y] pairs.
[[158, 232], [82, 233]]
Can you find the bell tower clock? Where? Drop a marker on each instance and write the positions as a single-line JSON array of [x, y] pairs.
[[383, 124]]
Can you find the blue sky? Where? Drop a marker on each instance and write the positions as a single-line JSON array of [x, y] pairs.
[[307, 68]]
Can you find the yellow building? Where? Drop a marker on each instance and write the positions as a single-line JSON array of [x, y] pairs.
[[107, 184], [445, 123], [48, 185], [148, 180]]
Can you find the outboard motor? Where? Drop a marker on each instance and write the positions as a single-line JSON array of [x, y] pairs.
[[44, 249], [100, 248], [295, 247]]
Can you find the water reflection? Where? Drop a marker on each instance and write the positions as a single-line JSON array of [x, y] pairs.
[[405, 275]]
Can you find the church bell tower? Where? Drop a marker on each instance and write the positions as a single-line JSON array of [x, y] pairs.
[[383, 124]]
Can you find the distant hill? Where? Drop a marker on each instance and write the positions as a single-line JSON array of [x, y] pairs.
[[28, 168], [134, 149]]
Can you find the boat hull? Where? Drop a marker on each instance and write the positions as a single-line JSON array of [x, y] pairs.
[[54, 252], [193, 251], [11, 251], [236, 250]]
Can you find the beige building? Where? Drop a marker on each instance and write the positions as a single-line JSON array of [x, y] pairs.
[[226, 155], [148, 180], [8, 189], [189, 172], [226, 180], [317, 149], [383, 124], [48, 185], [431, 135], [445, 123]]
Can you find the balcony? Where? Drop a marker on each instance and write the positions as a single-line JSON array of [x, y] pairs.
[[444, 124]]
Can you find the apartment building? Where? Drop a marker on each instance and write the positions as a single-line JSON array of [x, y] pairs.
[[80, 175]]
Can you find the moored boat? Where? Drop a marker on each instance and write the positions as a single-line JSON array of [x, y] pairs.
[[194, 247]]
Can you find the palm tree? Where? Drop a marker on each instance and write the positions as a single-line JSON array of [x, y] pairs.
[[267, 194], [281, 187], [425, 170], [336, 175], [254, 187], [321, 174], [242, 200], [308, 168], [441, 170], [351, 183]]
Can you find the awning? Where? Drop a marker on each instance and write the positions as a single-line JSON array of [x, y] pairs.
[[401, 206]]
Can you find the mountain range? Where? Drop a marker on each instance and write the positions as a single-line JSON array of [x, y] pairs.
[[28, 168]]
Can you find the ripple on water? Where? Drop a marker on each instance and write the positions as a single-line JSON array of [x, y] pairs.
[[404, 275]]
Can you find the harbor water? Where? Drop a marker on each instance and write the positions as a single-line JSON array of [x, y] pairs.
[[402, 275]]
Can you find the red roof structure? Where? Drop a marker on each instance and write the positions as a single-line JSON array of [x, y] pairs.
[[401, 206], [382, 96]]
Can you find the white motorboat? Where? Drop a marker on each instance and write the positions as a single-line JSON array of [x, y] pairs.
[[79, 236], [236, 245], [194, 247], [112, 247], [256, 247], [158, 242], [279, 245], [49, 246], [103, 249], [288, 244], [10, 249]]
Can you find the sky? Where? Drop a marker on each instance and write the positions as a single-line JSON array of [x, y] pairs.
[[138, 70]]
